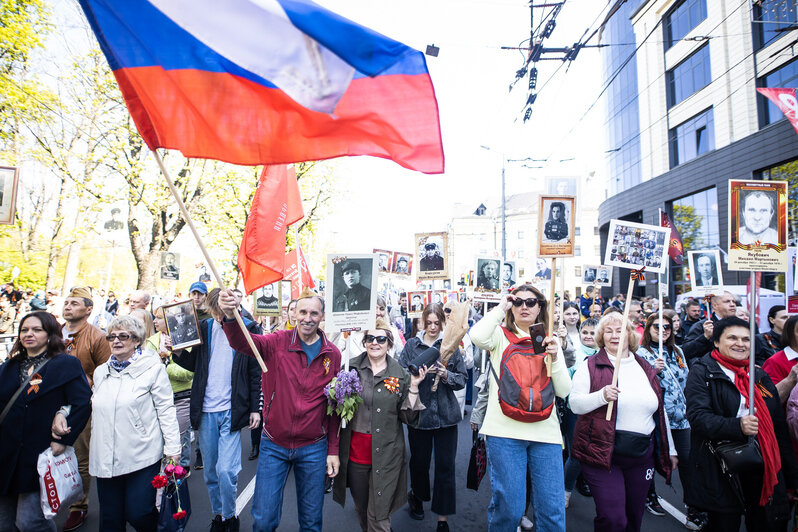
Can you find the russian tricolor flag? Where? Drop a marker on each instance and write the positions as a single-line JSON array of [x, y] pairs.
[[267, 81]]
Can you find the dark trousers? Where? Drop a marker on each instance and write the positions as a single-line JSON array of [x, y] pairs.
[[757, 519], [470, 387], [620, 493], [444, 443], [128, 498]]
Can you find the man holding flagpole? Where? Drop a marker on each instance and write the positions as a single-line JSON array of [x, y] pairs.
[[297, 432]]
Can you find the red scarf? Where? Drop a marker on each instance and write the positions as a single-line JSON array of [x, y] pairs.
[[766, 435]]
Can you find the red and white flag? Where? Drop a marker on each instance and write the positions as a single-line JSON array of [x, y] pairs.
[[785, 99]]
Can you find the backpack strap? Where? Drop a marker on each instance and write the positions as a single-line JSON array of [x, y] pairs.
[[512, 338]]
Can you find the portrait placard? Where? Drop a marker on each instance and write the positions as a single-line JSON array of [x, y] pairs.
[[792, 284], [182, 324], [267, 300], [170, 266], [438, 296], [416, 301], [488, 281], [286, 291], [562, 186], [556, 218], [635, 246], [705, 270], [402, 263], [509, 276], [351, 295], [432, 256], [9, 182], [542, 270], [758, 225], [112, 223], [597, 275], [384, 259]]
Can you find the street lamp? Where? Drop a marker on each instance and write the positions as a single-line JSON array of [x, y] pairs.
[[504, 207]]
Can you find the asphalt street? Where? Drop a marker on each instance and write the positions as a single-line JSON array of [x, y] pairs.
[[471, 505]]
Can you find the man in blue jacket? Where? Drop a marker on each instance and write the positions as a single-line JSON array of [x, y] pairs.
[[224, 399]]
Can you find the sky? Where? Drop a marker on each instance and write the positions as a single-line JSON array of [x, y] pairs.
[[471, 76]]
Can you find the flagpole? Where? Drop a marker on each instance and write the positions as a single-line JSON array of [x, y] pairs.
[[207, 256]]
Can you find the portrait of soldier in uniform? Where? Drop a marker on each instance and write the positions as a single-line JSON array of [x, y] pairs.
[[355, 296], [431, 258], [556, 228], [488, 276], [181, 322], [169, 267]]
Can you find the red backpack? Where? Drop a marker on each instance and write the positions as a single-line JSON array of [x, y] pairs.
[[526, 392]]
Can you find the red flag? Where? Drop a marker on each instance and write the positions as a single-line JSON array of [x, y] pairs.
[[785, 99], [296, 269], [675, 248], [275, 205]]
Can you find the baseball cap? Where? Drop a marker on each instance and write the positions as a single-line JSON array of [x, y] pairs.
[[198, 287]]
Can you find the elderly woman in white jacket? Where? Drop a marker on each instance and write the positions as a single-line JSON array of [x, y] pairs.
[[134, 427]]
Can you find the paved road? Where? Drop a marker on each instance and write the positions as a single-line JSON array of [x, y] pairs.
[[471, 506]]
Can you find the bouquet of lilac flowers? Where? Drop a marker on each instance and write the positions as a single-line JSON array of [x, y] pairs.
[[343, 394]]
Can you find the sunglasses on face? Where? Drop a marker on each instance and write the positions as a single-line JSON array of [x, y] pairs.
[[123, 337], [447, 310], [529, 302], [664, 327], [370, 338]]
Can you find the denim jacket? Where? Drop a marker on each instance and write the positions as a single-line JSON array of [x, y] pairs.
[[673, 379]]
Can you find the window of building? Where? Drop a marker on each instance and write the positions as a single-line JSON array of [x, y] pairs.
[[597, 250], [683, 18], [786, 172], [577, 250], [521, 254], [772, 18], [689, 76], [578, 272], [696, 218], [786, 76], [692, 138], [520, 235], [577, 231]]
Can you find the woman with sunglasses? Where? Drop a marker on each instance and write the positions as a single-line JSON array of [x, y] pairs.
[[134, 426], [516, 448], [49, 380], [672, 373], [372, 447], [619, 456], [436, 428]]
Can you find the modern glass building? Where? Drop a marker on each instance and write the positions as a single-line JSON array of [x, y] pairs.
[[682, 116]]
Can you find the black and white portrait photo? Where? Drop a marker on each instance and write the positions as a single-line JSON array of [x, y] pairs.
[[543, 272], [431, 252], [488, 271], [562, 186], [352, 289], [589, 275], [114, 223], [758, 215], [705, 272], [416, 301], [383, 260], [351, 292], [402, 263], [556, 227], [170, 266], [267, 300], [286, 292], [439, 297], [181, 324], [509, 276], [596, 275]]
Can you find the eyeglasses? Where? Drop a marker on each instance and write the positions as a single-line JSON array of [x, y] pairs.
[[122, 337], [447, 310], [664, 327], [529, 302], [370, 339]]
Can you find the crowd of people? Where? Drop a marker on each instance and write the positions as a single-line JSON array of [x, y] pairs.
[[109, 382]]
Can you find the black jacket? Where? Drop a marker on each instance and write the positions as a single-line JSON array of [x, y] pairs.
[[245, 379], [696, 345], [712, 404], [767, 345], [25, 432]]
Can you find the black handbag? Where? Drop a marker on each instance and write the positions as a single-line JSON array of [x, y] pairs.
[[477, 463], [738, 457], [169, 507], [631, 444]]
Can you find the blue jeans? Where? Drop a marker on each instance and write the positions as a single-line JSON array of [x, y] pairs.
[[221, 455], [310, 470], [509, 461], [23, 512]]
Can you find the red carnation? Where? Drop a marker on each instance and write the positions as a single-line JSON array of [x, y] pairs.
[[179, 515], [159, 481]]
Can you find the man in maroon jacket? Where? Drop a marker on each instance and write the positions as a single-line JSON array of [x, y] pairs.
[[297, 432]]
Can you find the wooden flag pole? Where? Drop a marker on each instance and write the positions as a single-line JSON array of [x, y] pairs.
[[623, 342], [207, 255], [562, 291], [552, 288]]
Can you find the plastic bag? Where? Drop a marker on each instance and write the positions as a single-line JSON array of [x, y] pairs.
[[59, 480]]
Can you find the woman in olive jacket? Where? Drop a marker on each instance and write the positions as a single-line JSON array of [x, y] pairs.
[[372, 445]]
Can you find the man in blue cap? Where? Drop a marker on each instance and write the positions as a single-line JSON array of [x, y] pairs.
[[197, 293]]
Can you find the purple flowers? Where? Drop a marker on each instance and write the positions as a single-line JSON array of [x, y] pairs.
[[343, 394]]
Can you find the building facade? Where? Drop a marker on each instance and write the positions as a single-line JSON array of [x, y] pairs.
[[683, 116]]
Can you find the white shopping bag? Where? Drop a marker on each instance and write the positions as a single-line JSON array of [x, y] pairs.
[[59, 480]]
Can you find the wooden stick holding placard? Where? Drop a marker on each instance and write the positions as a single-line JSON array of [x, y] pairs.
[[207, 256], [623, 343], [552, 287]]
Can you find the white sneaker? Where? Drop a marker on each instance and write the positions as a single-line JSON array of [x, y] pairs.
[[567, 498], [526, 524]]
